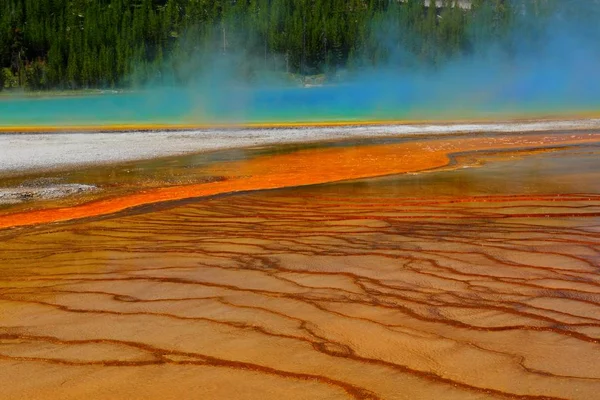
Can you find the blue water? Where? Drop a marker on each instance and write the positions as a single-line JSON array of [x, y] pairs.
[[376, 101]]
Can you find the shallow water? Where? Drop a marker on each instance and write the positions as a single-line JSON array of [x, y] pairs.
[[476, 281]]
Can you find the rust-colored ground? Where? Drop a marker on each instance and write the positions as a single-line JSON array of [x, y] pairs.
[[469, 283]]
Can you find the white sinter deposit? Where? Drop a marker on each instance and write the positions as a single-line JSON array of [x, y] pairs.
[[23, 152]]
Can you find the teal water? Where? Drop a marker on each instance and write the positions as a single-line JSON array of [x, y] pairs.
[[374, 102]]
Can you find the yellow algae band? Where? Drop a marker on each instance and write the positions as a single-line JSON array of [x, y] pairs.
[[575, 118], [181, 127], [307, 167]]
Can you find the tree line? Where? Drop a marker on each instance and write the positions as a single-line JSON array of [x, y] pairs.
[[70, 44]]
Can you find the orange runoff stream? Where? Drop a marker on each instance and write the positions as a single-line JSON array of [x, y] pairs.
[[306, 167]]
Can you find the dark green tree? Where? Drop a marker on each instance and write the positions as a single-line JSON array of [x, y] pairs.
[[116, 43]]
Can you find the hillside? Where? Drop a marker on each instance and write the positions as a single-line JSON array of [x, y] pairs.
[[119, 43]]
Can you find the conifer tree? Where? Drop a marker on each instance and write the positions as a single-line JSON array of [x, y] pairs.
[[112, 43]]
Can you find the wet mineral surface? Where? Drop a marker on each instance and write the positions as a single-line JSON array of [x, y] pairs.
[[451, 269]]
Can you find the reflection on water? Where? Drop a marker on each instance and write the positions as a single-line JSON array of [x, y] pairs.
[[564, 171], [468, 283]]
